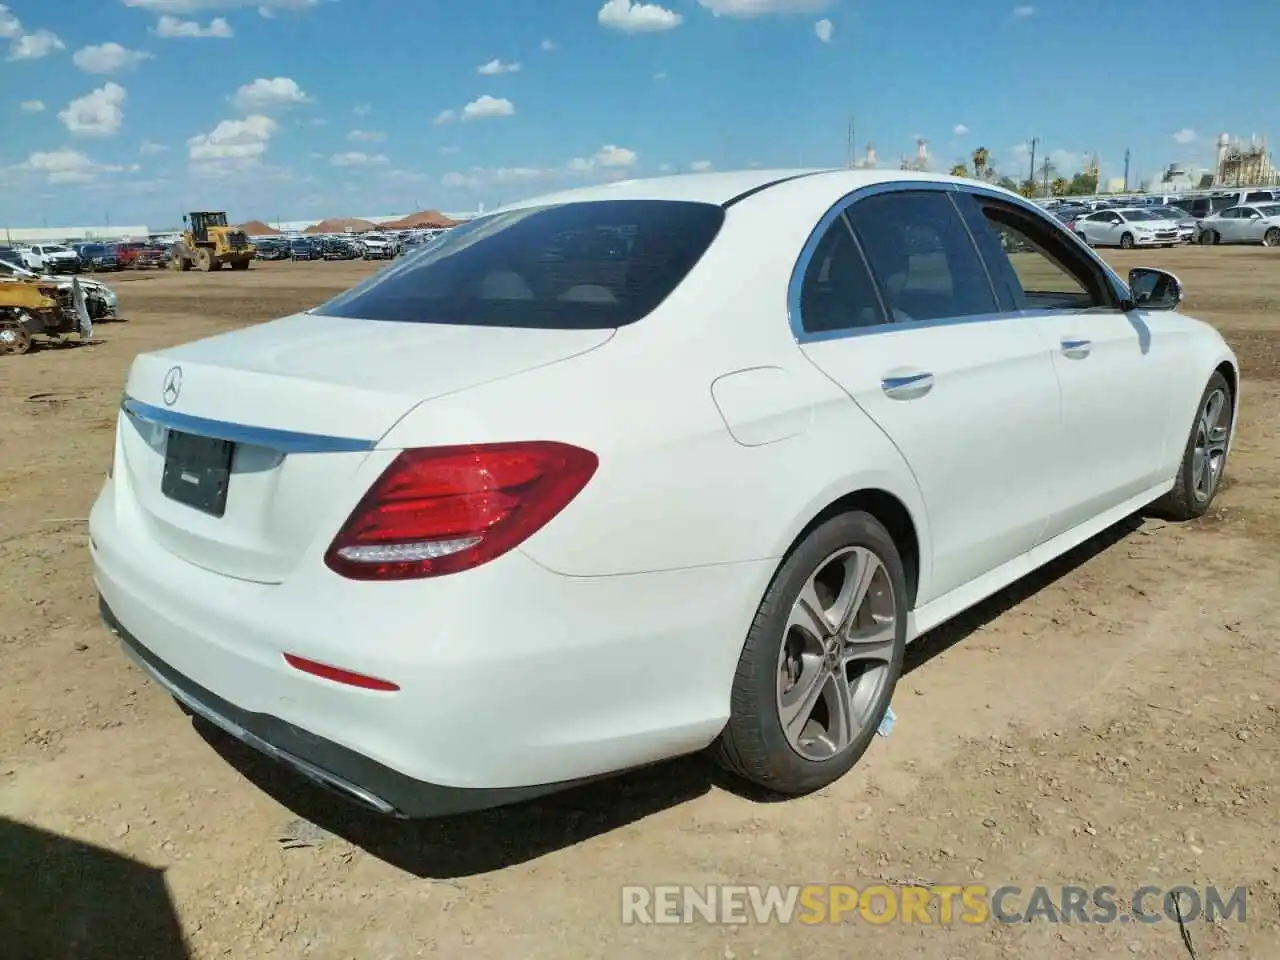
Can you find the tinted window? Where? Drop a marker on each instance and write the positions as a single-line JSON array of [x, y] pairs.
[[922, 256], [590, 265], [837, 292], [1258, 195]]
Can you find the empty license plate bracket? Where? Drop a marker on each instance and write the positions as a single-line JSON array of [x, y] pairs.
[[197, 472]]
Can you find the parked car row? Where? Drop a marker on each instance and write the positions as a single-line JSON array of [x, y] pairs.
[[61, 258], [366, 246], [1222, 218]]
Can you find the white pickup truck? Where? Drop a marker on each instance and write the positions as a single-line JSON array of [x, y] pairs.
[[50, 258]]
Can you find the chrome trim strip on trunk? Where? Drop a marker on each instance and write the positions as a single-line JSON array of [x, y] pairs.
[[285, 441]]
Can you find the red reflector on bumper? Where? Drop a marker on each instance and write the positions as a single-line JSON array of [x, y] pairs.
[[338, 675]]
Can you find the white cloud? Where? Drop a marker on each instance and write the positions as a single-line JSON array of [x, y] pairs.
[[173, 28], [824, 29], [96, 114], [23, 45], [630, 16], [362, 110], [35, 46], [357, 159], [1021, 13], [149, 149], [960, 130], [700, 166], [486, 106], [66, 166], [108, 58], [1184, 136], [608, 157], [548, 45], [496, 67], [366, 136], [243, 141], [446, 116], [760, 8], [264, 95], [664, 168], [660, 75], [32, 106]]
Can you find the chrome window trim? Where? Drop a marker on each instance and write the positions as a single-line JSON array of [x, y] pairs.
[[841, 206], [283, 441]]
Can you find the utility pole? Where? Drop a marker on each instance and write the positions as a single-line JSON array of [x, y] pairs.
[[853, 145], [1046, 166], [1032, 175], [1126, 169]]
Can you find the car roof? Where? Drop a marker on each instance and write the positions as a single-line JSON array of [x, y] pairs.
[[720, 188]]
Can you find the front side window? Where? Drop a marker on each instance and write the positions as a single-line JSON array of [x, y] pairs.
[[584, 265], [922, 256], [1033, 263]]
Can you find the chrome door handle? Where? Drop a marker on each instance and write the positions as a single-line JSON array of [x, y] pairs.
[[1076, 349], [908, 387]]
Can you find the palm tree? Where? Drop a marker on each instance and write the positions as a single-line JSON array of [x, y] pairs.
[[981, 157], [959, 170]]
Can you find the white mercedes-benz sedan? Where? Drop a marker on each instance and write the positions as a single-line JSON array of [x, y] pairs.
[[627, 472]]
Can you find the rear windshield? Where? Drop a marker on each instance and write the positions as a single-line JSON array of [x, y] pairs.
[[571, 266]]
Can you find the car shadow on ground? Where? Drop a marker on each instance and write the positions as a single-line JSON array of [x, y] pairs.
[[465, 845], [60, 898]]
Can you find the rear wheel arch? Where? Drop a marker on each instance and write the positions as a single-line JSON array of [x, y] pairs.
[[892, 513]]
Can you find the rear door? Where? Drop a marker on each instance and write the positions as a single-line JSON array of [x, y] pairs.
[[1229, 224], [896, 307], [1117, 371]]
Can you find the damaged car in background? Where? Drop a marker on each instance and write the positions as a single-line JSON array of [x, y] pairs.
[[32, 305]]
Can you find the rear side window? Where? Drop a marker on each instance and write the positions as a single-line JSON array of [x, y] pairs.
[[587, 265], [922, 256], [837, 292]]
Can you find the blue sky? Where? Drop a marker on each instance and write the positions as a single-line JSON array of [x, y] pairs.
[[135, 110]]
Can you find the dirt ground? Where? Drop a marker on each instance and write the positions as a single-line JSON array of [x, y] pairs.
[[1113, 721]]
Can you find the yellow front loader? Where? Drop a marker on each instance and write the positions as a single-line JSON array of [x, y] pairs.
[[208, 243]]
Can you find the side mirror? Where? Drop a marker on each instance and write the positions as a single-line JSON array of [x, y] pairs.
[[1152, 289]]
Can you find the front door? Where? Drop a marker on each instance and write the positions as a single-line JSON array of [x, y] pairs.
[[897, 308], [1115, 370]]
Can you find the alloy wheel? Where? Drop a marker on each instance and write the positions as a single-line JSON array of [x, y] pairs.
[[835, 656], [1209, 454]]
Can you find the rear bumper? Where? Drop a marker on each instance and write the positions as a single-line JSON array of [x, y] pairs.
[[330, 765], [514, 681]]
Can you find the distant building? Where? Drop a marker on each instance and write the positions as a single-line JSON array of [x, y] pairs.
[[25, 235], [1179, 178], [1244, 163]]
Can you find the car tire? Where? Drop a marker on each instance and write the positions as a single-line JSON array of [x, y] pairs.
[[1208, 238], [783, 658], [1126, 241], [1271, 238], [1204, 458]]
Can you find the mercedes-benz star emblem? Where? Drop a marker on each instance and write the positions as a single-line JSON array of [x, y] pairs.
[[172, 386]]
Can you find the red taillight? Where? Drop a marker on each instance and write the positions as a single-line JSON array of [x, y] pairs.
[[445, 509]]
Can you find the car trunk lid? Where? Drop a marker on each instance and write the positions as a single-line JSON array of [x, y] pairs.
[[298, 406]]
